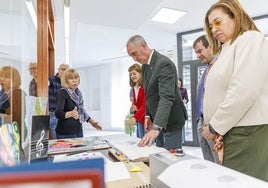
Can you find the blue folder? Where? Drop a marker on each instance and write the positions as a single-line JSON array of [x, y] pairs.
[[92, 164]]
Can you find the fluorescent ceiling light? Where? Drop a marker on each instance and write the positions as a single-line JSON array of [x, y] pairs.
[[67, 21], [167, 15], [67, 59], [32, 12], [67, 29], [67, 46]]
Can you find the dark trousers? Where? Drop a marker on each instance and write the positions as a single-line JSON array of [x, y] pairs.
[[170, 140], [205, 145], [78, 135]]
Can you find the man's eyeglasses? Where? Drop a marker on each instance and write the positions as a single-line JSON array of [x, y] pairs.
[[217, 23]]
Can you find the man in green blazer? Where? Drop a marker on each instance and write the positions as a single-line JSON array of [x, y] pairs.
[[164, 107]]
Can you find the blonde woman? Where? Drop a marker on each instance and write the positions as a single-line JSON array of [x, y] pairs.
[[4, 103], [70, 109], [11, 83]]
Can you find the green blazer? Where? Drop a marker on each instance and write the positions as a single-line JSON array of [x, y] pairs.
[[163, 100]]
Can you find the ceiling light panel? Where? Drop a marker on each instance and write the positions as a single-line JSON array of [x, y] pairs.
[[167, 15]]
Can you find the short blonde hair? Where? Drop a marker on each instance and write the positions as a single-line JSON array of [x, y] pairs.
[[32, 65], [13, 74], [67, 74]]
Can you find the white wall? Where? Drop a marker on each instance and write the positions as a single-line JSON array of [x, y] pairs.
[[18, 42], [105, 89]]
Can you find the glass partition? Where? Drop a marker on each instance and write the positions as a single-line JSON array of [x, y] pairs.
[[18, 47], [187, 84]]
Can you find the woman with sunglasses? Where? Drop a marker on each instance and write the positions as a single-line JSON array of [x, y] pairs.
[[236, 89]]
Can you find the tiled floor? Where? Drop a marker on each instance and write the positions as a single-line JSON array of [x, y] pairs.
[[88, 131]]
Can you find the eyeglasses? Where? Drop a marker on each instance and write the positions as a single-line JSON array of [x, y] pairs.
[[217, 23]]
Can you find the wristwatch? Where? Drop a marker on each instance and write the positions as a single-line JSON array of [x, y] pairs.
[[211, 129], [157, 128]]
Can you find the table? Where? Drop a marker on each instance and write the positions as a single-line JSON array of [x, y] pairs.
[[138, 179]]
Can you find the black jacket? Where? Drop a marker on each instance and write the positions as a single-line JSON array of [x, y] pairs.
[[64, 104]]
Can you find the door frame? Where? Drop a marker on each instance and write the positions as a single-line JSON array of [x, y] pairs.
[[194, 64]]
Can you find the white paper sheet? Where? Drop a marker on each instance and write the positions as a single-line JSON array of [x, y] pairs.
[[202, 173], [128, 146], [115, 171], [80, 156], [111, 169]]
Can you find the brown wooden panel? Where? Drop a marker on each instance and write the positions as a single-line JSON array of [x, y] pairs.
[[51, 62], [45, 45]]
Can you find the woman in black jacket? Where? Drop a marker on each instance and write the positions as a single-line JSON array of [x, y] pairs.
[[70, 109]]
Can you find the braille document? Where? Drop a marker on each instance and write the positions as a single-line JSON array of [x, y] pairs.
[[206, 174], [111, 168], [128, 146]]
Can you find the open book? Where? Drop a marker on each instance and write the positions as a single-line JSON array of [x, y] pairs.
[[128, 146]]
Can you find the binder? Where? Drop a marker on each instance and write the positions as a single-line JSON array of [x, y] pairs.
[[39, 137], [91, 171], [67, 179], [9, 144]]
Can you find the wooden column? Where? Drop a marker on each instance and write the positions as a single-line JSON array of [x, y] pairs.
[[45, 46], [51, 45]]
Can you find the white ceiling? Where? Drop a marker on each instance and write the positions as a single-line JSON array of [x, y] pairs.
[[99, 29]]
